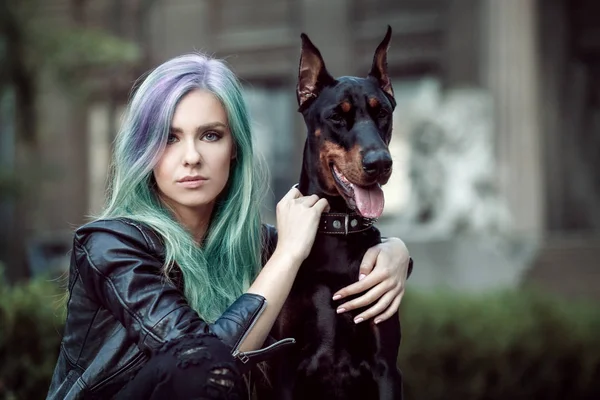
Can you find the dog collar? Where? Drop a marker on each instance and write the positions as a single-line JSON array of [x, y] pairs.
[[343, 224]]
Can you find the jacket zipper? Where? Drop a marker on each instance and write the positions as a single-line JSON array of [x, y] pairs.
[[236, 351], [244, 357]]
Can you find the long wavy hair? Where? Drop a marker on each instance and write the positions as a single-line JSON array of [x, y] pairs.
[[219, 270]]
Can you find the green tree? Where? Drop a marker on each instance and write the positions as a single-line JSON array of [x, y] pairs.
[[34, 48]]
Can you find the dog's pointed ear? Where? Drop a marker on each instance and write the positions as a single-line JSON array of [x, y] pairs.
[[312, 74], [379, 68]]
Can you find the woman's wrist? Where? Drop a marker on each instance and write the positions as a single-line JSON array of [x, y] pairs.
[[286, 258], [397, 242]]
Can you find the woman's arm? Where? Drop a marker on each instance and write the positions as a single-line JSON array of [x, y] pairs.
[[297, 222]]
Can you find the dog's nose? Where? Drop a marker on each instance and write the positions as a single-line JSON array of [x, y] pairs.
[[377, 162]]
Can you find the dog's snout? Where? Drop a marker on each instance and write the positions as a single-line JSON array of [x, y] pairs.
[[377, 162]]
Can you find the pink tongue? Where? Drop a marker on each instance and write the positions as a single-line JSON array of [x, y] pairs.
[[369, 201]]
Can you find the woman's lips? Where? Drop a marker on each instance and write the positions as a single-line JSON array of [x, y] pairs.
[[192, 182]]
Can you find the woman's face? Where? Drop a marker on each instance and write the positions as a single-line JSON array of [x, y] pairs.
[[194, 168]]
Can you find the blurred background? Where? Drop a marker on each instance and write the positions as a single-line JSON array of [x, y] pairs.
[[495, 190]]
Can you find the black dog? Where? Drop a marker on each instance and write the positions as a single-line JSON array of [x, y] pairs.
[[346, 160]]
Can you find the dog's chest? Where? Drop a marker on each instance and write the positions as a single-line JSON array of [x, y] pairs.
[[334, 263]]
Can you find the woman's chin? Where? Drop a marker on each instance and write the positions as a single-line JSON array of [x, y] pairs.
[[198, 203]]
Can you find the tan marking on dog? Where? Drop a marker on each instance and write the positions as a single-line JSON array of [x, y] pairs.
[[352, 167], [346, 106], [349, 163], [318, 133], [330, 153], [373, 102]]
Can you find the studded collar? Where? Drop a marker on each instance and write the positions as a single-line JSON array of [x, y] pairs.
[[343, 224]]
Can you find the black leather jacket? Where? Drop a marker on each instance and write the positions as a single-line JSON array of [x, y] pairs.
[[121, 309]]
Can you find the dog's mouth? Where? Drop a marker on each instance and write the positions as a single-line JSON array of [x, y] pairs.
[[367, 200]]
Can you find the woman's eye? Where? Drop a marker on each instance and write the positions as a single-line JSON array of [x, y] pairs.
[[211, 136], [171, 139]]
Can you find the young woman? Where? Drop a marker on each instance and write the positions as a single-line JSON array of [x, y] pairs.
[[178, 278]]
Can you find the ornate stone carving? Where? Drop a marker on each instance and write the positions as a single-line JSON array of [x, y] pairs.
[[453, 168]]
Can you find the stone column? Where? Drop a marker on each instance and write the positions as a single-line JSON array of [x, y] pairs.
[[553, 52], [511, 72], [9, 241], [462, 44]]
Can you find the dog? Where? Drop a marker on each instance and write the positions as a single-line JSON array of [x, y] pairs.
[[346, 160]]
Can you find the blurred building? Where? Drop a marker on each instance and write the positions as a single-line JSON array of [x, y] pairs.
[[536, 60]]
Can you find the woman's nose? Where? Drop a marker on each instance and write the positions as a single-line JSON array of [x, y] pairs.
[[192, 154]]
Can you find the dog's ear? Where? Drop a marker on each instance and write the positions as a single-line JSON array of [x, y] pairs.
[[312, 74], [379, 67]]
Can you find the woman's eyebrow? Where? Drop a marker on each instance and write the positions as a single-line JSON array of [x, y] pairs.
[[211, 125]]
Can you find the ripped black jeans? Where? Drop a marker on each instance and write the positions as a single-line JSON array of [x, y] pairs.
[[198, 367]]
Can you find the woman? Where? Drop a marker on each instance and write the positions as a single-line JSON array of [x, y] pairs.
[[169, 282]]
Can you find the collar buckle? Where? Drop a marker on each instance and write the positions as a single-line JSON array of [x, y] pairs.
[[344, 224]]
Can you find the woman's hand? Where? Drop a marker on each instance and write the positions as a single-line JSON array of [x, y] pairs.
[[297, 222], [383, 272]]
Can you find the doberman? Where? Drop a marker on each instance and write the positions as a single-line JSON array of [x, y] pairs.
[[346, 160]]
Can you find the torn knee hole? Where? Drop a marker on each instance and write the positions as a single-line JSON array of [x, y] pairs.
[[192, 356], [222, 377], [189, 352], [220, 371], [222, 382]]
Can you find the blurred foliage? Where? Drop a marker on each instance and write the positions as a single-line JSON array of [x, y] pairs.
[[31, 320], [70, 52], [503, 345], [63, 50], [36, 48]]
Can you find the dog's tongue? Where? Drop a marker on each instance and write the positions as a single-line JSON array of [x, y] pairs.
[[369, 200]]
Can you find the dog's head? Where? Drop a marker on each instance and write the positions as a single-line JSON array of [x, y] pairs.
[[349, 121]]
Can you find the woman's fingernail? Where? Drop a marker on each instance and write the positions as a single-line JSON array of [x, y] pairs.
[[337, 297], [378, 320], [340, 310], [358, 320], [361, 277]]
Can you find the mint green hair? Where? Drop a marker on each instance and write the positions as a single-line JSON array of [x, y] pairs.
[[222, 268]]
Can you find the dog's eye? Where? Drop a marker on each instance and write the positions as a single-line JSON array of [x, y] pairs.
[[336, 118], [383, 113]]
